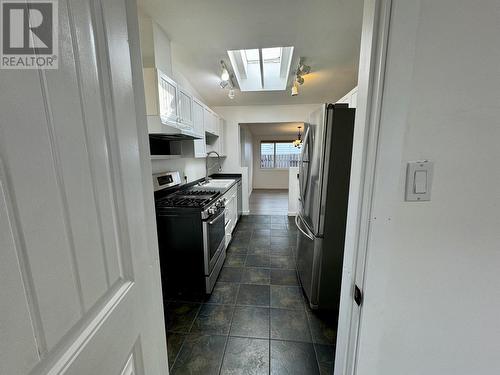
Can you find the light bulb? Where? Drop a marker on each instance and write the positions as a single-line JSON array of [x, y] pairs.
[[231, 94], [224, 75], [295, 89]]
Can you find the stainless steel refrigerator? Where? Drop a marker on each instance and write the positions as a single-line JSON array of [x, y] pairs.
[[324, 172]]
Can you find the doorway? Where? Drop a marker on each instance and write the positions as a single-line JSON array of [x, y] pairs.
[[271, 153]]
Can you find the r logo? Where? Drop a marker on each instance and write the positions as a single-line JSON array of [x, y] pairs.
[[27, 28]]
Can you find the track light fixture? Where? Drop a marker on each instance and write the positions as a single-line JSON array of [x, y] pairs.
[[302, 70], [225, 80]]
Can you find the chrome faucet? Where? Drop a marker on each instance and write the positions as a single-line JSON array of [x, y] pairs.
[[206, 164]]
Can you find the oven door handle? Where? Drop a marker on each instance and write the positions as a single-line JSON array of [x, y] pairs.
[[217, 218]]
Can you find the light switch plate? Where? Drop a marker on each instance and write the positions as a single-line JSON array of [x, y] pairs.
[[419, 181]]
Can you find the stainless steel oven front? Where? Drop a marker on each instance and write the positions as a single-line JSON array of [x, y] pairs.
[[213, 245]]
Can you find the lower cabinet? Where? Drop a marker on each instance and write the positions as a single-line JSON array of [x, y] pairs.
[[231, 213]]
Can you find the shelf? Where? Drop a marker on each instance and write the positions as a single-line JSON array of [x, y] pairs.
[[165, 157]]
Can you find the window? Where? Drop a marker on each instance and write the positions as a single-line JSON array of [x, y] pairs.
[[278, 154], [264, 69]]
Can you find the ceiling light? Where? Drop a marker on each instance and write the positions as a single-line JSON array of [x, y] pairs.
[[224, 76], [303, 69], [223, 84], [295, 89], [299, 80], [231, 94]]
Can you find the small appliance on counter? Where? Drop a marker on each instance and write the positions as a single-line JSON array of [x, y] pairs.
[[191, 235]]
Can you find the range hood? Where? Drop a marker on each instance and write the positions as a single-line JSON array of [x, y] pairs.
[[162, 130]]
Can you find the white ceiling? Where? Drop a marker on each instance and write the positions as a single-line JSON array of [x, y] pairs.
[[325, 32], [274, 128]]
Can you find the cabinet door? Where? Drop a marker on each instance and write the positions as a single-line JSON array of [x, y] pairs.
[[185, 109], [167, 93], [215, 123], [221, 140], [200, 148], [207, 119], [198, 121]]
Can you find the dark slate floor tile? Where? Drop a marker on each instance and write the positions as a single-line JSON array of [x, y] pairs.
[[259, 250], [280, 233], [257, 242], [283, 261], [287, 297], [284, 277], [260, 233], [280, 241], [256, 276], [261, 219], [242, 234], [235, 260], [246, 356], [293, 358], [213, 319], [200, 355], [289, 325], [253, 295], [257, 260], [230, 274], [224, 293], [261, 225], [279, 226], [240, 243], [323, 326], [180, 316], [278, 219], [277, 249], [250, 322], [236, 250], [325, 355], [245, 226], [174, 343]]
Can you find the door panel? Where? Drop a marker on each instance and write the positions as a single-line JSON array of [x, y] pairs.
[[313, 149], [82, 290]]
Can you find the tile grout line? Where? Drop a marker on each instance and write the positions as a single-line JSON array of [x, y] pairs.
[[228, 332]]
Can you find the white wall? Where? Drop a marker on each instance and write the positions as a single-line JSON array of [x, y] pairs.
[[432, 289], [234, 115], [268, 178]]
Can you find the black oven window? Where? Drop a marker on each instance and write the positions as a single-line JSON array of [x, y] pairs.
[[163, 180]]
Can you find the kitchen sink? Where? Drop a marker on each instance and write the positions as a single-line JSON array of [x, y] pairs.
[[217, 184]]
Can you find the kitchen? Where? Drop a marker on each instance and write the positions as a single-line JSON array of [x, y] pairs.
[[233, 279]]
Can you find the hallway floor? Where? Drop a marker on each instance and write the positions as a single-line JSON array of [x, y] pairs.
[[256, 321], [269, 202]]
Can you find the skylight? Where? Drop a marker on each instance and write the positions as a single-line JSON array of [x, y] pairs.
[[264, 69]]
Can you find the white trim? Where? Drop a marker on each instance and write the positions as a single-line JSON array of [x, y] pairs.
[[374, 38]]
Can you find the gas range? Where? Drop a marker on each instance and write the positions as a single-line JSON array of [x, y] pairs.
[[188, 198], [205, 200], [191, 234]]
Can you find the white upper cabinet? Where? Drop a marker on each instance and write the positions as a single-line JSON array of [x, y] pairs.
[[168, 99], [221, 140], [199, 128], [185, 108], [211, 121]]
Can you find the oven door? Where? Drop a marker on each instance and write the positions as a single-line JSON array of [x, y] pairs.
[[213, 239]]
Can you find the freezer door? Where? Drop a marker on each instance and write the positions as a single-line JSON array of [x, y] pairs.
[[311, 170], [307, 259]]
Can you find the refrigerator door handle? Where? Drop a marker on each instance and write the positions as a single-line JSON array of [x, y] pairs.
[[310, 236]]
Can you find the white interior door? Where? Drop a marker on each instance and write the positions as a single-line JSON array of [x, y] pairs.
[[80, 285]]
